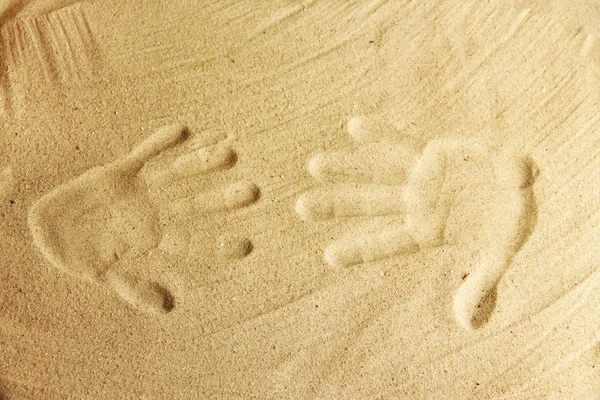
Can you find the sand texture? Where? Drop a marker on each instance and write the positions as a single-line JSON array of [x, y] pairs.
[[299, 199]]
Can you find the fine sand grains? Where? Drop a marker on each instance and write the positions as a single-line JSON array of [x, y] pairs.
[[299, 199]]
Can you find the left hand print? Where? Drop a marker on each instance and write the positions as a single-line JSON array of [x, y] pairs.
[[96, 225]]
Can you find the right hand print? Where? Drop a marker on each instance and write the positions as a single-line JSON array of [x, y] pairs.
[[394, 174]]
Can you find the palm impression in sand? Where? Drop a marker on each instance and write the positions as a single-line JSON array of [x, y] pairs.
[[98, 223], [394, 174]]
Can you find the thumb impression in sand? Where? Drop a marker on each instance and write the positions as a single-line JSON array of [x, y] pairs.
[[511, 224]]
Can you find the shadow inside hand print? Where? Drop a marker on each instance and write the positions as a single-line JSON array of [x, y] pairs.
[[425, 184], [99, 225]]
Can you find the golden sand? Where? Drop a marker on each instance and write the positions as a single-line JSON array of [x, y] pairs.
[[299, 199]]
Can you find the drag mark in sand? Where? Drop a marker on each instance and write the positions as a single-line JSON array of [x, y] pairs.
[[52, 41]]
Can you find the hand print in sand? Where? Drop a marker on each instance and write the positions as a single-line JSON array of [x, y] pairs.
[[98, 224], [391, 173]]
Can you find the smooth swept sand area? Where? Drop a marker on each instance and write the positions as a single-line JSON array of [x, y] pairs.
[[299, 199]]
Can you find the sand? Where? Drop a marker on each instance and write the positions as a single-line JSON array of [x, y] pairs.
[[299, 200]]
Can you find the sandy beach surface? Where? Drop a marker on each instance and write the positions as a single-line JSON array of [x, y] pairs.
[[299, 199]]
